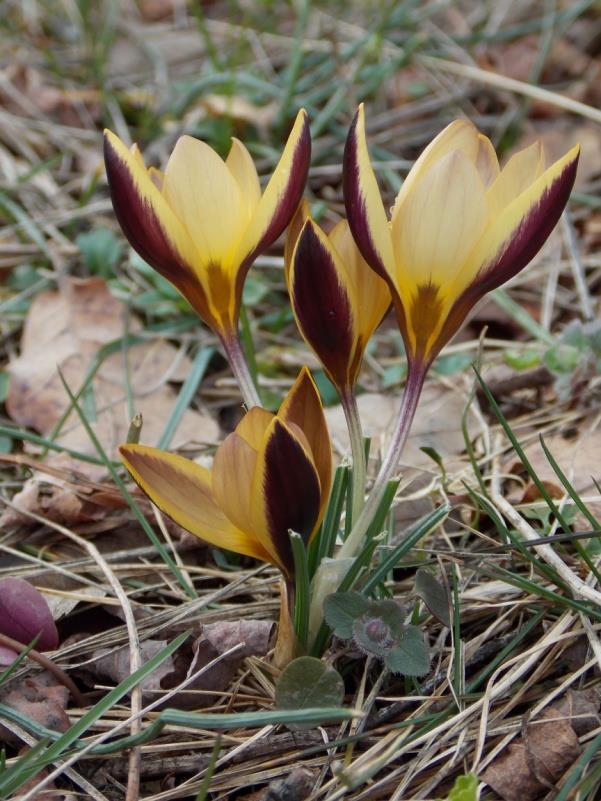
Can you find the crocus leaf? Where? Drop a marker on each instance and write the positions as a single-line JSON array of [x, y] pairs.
[[24, 614]]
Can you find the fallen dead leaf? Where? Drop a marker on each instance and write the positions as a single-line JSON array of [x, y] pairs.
[[532, 764], [40, 699], [215, 639], [66, 329], [579, 460]]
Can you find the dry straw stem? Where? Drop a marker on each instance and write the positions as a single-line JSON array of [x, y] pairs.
[[394, 745], [579, 588], [512, 85], [135, 659]]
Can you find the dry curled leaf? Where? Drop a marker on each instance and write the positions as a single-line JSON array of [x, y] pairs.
[[532, 764], [215, 640], [39, 698], [66, 329]]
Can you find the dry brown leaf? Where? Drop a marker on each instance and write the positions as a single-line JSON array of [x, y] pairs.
[[66, 329], [40, 699], [72, 107], [215, 639], [532, 764], [579, 460]]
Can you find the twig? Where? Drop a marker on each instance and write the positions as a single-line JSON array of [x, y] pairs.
[[49, 665]]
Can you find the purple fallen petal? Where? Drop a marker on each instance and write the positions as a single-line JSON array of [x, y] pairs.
[[24, 614]]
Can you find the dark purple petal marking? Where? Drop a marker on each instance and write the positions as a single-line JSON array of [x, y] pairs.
[[532, 233], [322, 305], [138, 219], [287, 204], [146, 235], [291, 491], [354, 201]]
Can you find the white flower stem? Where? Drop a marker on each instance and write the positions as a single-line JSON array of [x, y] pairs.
[[411, 395], [353, 422], [237, 361]]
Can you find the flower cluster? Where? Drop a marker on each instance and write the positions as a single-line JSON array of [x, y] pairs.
[[459, 227]]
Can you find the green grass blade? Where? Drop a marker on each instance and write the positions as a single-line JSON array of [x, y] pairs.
[[423, 527], [302, 599], [323, 544]]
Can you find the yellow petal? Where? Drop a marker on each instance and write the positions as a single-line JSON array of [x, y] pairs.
[[364, 207], [302, 406], [281, 196], [232, 484], [371, 293], [182, 489], [518, 174], [487, 162], [242, 167], [458, 135], [253, 425], [204, 195], [443, 217], [518, 232]]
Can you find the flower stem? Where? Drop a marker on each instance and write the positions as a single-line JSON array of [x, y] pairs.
[[237, 361], [351, 412], [413, 388]]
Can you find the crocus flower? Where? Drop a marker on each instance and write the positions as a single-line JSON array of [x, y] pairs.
[[203, 221], [338, 301], [460, 226], [270, 476]]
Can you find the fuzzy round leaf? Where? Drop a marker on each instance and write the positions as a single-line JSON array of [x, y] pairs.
[[434, 595], [307, 683], [409, 656], [341, 609]]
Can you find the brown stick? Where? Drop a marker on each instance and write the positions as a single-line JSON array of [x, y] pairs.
[[42, 660]]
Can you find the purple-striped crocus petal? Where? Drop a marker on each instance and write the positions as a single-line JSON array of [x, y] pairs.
[[364, 207], [149, 224], [321, 304], [279, 201], [535, 213], [286, 492], [302, 407]]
